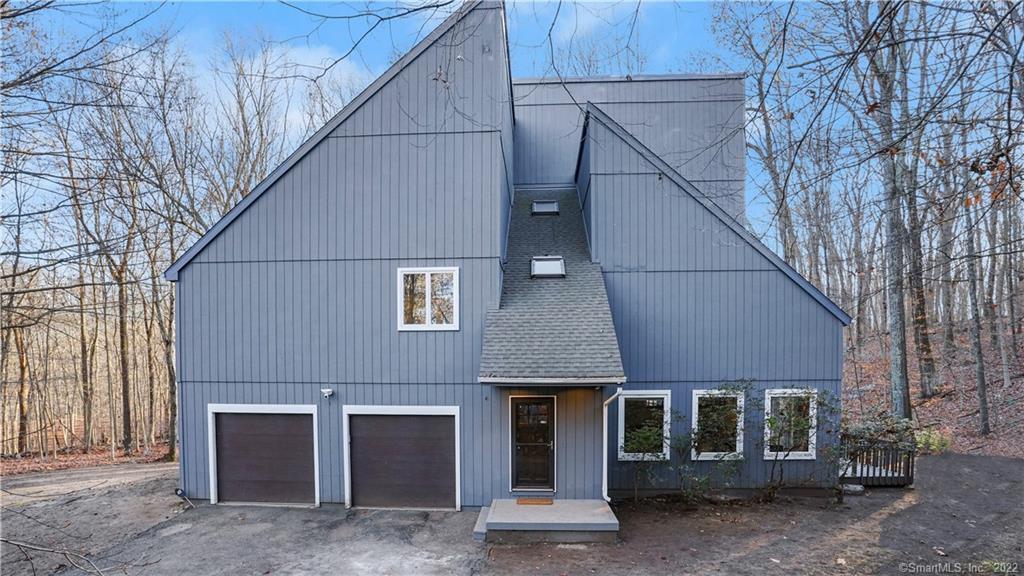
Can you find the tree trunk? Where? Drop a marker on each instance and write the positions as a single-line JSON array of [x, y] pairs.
[[946, 288], [111, 414], [899, 384], [925, 362], [87, 390], [167, 335], [122, 325], [979, 357], [1008, 272], [24, 390], [989, 283]]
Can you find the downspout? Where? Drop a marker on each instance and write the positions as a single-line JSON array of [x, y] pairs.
[[604, 444]]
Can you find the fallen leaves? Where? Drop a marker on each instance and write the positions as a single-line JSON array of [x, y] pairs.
[[63, 461]]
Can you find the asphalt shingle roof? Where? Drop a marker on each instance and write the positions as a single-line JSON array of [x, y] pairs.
[[550, 328]]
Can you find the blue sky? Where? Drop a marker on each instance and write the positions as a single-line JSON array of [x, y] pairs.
[[674, 36]]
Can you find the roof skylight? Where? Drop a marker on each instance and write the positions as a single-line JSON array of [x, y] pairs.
[[541, 207], [547, 267]]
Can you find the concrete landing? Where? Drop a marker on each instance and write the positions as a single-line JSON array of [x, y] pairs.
[[561, 521]]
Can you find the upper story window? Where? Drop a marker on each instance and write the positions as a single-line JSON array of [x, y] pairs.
[[717, 425], [547, 267], [645, 418], [541, 207], [428, 298], [790, 424]]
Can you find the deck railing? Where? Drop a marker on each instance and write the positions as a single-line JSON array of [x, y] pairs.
[[878, 463]]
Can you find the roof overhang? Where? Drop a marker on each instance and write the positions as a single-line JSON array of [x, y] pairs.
[[589, 381]]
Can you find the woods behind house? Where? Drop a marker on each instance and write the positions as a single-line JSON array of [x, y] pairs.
[[884, 158]]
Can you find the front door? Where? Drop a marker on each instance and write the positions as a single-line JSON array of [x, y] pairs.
[[533, 443]]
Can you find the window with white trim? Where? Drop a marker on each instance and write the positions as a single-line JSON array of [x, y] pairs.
[[645, 418], [717, 425], [790, 424], [428, 298]]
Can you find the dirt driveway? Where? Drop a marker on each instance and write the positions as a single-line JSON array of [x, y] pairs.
[[126, 517]]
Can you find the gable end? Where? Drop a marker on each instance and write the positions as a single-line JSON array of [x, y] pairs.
[[303, 150], [595, 113]]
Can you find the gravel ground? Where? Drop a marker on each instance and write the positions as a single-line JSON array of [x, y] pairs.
[[964, 509]]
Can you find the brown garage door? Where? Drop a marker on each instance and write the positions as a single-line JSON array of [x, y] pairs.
[[265, 458], [402, 461]]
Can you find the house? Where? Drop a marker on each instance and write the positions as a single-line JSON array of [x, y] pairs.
[[467, 288]]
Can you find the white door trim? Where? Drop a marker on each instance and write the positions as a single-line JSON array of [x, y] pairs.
[[349, 410], [211, 413], [512, 441]]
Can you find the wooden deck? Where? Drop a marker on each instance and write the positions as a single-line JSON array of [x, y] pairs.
[[882, 464]]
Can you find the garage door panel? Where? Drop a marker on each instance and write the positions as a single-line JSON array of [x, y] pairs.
[[271, 491], [256, 446], [265, 458], [405, 461], [265, 424]]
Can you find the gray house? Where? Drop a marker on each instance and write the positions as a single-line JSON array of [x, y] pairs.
[[467, 288]]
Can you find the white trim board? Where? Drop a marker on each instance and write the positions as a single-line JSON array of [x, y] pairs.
[[714, 456], [211, 436], [349, 410], [554, 445], [666, 397]]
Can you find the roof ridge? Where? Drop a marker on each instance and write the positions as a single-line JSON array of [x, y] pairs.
[[728, 220], [696, 76]]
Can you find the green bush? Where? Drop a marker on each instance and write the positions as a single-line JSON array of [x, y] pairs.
[[932, 442], [877, 428]]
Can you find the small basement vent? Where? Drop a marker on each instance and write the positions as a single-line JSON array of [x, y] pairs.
[[543, 207], [547, 267]]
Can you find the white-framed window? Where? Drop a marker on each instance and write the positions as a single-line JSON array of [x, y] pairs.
[[428, 298], [790, 424], [717, 425], [645, 421]]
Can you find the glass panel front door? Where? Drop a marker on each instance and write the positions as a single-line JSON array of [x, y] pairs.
[[533, 443]]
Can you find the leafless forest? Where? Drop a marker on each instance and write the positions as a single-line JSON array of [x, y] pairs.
[[885, 159]]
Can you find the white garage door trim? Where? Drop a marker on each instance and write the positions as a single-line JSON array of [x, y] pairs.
[[213, 409], [349, 410]]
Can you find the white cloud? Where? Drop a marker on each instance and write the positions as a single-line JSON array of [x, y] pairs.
[[588, 18]]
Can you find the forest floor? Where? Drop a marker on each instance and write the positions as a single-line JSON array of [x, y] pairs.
[[964, 509], [64, 460], [953, 411]]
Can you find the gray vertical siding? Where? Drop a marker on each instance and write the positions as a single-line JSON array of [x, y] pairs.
[[300, 291], [753, 471], [695, 123], [324, 321], [696, 306], [484, 435]]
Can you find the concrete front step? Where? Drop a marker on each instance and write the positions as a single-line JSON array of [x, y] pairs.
[[480, 528], [561, 521]]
